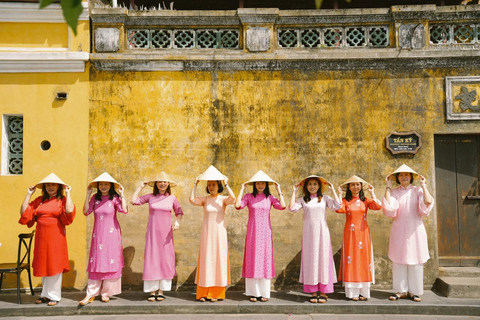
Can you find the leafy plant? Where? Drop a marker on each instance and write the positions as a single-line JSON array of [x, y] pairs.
[[71, 11]]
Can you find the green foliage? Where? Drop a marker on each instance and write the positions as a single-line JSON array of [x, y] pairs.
[[71, 11]]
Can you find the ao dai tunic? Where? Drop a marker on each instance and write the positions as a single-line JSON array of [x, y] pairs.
[[408, 237], [106, 250], [258, 257], [213, 268], [50, 255], [159, 259], [356, 264], [317, 264]]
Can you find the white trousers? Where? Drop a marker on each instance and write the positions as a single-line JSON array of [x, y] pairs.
[[52, 287], [354, 289], [257, 287], [106, 288], [154, 285], [408, 278]]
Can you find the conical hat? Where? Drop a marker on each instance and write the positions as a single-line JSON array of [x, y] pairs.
[[323, 186], [213, 174], [104, 177], [51, 178], [355, 178], [260, 176], [404, 168], [162, 177]]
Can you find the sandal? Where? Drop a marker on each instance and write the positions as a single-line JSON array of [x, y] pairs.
[[313, 299], [105, 299], [253, 299], [151, 298], [396, 296], [202, 299], [355, 298], [42, 300], [52, 303], [160, 297], [213, 300], [362, 298], [415, 298], [322, 299], [86, 301], [262, 299]]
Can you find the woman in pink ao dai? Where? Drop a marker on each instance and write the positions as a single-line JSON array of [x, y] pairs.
[[105, 263], [159, 258], [258, 264]]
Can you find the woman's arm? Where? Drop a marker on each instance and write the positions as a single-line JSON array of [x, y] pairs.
[[26, 201], [427, 197], [86, 204], [69, 206], [137, 192], [122, 197], [193, 196], [293, 198], [238, 202], [230, 192], [388, 189], [280, 195]]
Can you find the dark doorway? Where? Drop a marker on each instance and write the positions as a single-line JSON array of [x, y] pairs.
[[458, 199]]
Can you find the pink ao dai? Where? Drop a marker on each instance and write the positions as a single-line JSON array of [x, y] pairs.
[[408, 237], [106, 251], [258, 260], [159, 259], [317, 266]]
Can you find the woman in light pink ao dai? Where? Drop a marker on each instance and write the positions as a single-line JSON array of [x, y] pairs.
[[317, 270]]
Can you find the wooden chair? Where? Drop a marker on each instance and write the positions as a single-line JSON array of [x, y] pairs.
[[23, 262]]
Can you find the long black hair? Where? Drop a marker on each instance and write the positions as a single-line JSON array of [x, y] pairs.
[[306, 193], [46, 196], [156, 191], [348, 194], [111, 192], [266, 191]]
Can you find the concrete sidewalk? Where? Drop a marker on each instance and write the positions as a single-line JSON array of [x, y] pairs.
[[282, 302]]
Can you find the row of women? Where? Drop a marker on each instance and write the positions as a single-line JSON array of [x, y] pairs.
[[408, 249]]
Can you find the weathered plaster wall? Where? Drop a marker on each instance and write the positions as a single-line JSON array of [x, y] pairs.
[[288, 123]]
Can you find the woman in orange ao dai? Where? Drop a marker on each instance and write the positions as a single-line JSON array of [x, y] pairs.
[[356, 265]]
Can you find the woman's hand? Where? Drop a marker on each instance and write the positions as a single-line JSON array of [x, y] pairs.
[[296, 187], [225, 179], [388, 181], [330, 186], [89, 190], [371, 189], [423, 180], [68, 188], [176, 225], [31, 190], [340, 190], [120, 190]]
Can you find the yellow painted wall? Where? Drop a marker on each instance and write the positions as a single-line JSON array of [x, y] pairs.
[[65, 125], [33, 35], [290, 124]]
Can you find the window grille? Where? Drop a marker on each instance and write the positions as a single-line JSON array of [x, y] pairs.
[[443, 34], [13, 144], [355, 36], [184, 39]]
